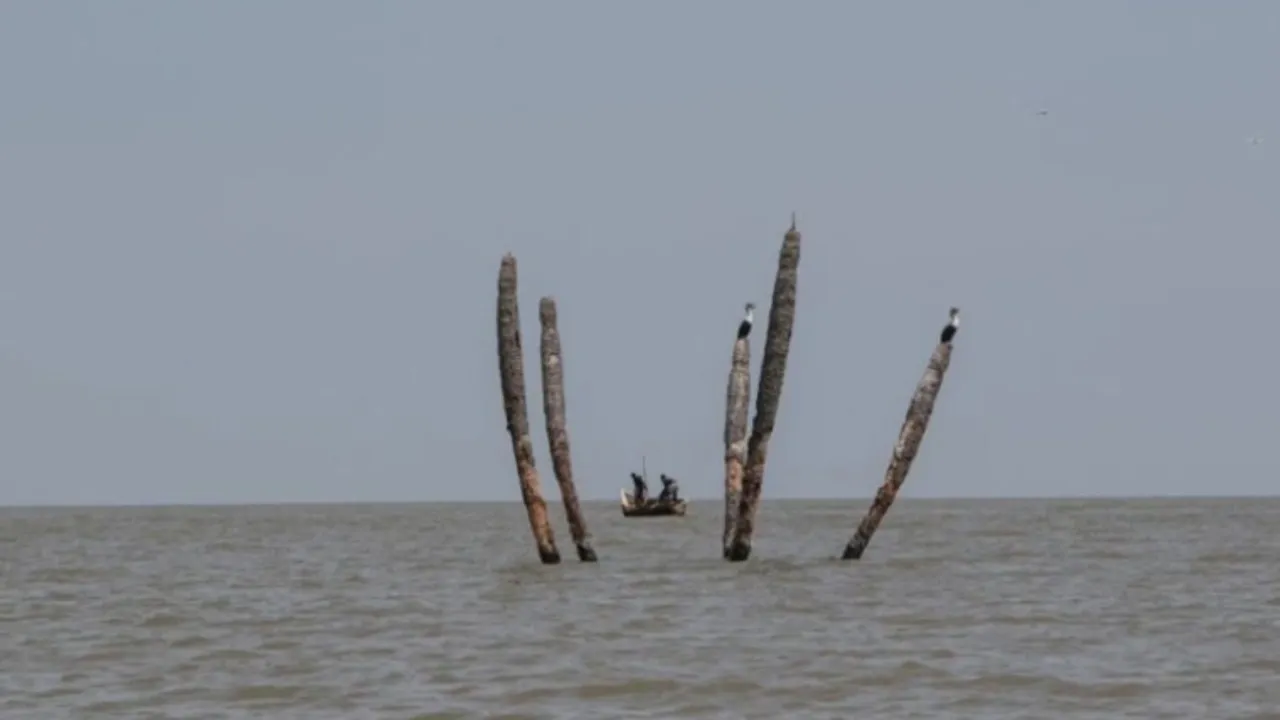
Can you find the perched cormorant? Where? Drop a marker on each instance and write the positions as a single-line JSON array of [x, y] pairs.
[[953, 324], [744, 328]]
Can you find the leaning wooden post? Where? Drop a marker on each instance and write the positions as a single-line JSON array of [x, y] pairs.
[[511, 368], [782, 313], [909, 438], [557, 429], [736, 403]]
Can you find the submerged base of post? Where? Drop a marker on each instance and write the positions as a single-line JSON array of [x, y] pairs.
[[732, 499], [544, 538], [731, 504], [857, 545], [738, 551]]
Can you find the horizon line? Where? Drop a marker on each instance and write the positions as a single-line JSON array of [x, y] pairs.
[[313, 503]]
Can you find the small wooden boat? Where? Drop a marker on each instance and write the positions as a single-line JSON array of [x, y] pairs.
[[652, 508]]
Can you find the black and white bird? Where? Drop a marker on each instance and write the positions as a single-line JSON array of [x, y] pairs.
[[744, 327], [953, 324]]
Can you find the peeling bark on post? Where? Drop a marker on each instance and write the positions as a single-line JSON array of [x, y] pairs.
[[736, 404], [773, 367], [904, 451], [511, 369], [553, 406]]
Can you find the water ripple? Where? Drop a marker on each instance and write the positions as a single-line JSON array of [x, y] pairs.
[[1067, 609]]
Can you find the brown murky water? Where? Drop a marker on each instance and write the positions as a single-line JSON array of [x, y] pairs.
[[971, 609]]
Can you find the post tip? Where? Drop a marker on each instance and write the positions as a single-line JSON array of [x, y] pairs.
[[507, 273]]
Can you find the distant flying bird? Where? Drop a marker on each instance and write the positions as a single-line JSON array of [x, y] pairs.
[[744, 328], [1042, 112], [1255, 141], [953, 324]]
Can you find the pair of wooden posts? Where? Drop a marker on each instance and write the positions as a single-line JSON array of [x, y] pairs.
[[511, 368], [744, 456]]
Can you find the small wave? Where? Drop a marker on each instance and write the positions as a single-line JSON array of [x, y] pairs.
[[163, 620], [191, 641], [260, 693], [1051, 685]]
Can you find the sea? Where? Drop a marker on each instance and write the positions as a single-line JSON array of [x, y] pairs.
[[1143, 608]]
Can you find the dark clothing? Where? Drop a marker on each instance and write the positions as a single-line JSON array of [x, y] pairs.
[[641, 494], [670, 490]]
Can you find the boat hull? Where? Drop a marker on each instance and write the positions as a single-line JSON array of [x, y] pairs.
[[652, 508]]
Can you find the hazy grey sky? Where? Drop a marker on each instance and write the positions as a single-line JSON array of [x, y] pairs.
[[249, 251]]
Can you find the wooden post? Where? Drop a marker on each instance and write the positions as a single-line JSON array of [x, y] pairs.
[[557, 428], [511, 369], [736, 403], [782, 312], [905, 450]]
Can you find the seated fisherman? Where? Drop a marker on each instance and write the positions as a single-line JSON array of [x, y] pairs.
[[670, 489], [642, 490]]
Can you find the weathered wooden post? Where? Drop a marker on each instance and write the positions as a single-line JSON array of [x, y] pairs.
[[553, 404], [511, 369], [909, 438], [736, 403], [773, 367]]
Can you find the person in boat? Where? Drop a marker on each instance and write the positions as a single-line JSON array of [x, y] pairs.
[[670, 489], [641, 494]]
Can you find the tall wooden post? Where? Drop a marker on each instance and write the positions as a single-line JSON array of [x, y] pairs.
[[773, 368], [908, 445], [511, 369], [553, 406], [736, 404]]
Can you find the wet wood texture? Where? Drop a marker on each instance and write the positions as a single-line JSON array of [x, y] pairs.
[[773, 368], [736, 405], [904, 451], [553, 407], [511, 370]]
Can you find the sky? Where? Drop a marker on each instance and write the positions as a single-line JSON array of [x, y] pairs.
[[249, 251]]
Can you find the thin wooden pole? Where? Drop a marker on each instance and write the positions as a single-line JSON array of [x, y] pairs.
[[904, 451], [736, 404], [553, 406], [773, 368], [511, 370]]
